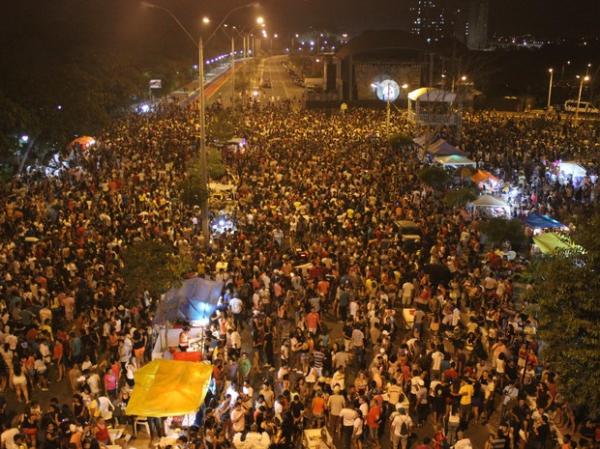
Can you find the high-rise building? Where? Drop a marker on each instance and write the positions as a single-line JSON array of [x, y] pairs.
[[428, 20], [477, 37]]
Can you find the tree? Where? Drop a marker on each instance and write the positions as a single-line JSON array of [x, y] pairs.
[[460, 197], [222, 126], [150, 265], [435, 177], [400, 140], [566, 290], [193, 190], [216, 168], [500, 230]]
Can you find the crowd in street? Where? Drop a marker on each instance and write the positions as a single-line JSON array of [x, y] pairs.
[[312, 330]]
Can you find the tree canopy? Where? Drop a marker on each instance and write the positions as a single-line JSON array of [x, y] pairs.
[[435, 177], [151, 265], [566, 290], [460, 197], [64, 75], [500, 230], [400, 140]]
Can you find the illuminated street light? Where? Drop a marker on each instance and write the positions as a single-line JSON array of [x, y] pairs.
[[260, 20], [551, 72], [583, 79], [463, 78], [199, 44]]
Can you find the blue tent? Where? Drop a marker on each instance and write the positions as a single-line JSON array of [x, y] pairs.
[[535, 220], [194, 301]]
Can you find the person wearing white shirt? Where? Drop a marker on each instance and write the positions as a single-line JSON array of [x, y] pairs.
[[400, 428], [335, 404], [462, 443], [236, 305], [348, 416], [436, 362], [7, 438], [238, 421]]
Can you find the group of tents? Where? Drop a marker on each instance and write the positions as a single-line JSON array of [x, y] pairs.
[[548, 239]]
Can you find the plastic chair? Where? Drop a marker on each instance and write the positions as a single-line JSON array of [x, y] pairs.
[[143, 422]]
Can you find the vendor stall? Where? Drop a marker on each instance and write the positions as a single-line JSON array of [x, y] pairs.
[[192, 303], [551, 242], [491, 206], [169, 388], [485, 180], [567, 172], [454, 161], [539, 223], [442, 148]]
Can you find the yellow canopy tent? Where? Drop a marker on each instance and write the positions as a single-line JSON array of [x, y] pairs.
[[169, 388], [551, 242]]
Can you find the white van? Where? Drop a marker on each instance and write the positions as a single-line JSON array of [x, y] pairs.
[[585, 107]]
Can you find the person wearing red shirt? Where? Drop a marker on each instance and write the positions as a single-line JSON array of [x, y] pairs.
[[312, 321], [451, 374], [373, 417]]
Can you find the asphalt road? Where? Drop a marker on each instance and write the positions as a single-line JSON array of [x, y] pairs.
[[282, 86]]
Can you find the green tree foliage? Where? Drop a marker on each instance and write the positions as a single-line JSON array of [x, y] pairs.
[[500, 230], [68, 75], [222, 126], [566, 289], [435, 177], [150, 265], [399, 141], [193, 191], [14, 121], [216, 167], [460, 197]]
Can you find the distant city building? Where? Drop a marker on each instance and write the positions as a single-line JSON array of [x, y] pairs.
[[477, 27], [428, 20]]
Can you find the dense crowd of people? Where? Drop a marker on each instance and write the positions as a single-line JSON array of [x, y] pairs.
[[318, 276]]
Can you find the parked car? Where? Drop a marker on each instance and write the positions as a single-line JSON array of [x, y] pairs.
[[585, 107]]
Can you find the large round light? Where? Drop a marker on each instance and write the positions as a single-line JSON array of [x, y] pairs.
[[387, 90]]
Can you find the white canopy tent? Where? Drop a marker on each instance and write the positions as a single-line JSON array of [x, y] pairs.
[[572, 169], [454, 161], [491, 205], [431, 106], [431, 94]]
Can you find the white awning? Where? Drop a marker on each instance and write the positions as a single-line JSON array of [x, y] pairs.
[[431, 94], [454, 160], [489, 201]]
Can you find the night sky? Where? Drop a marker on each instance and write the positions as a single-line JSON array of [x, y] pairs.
[[125, 25]]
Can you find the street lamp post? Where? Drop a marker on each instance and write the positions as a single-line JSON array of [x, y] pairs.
[[551, 72], [582, 79], [201, 102]]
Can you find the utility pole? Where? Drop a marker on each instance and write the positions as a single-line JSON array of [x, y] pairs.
[[203, 155], [551, 71], [232, 70]]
